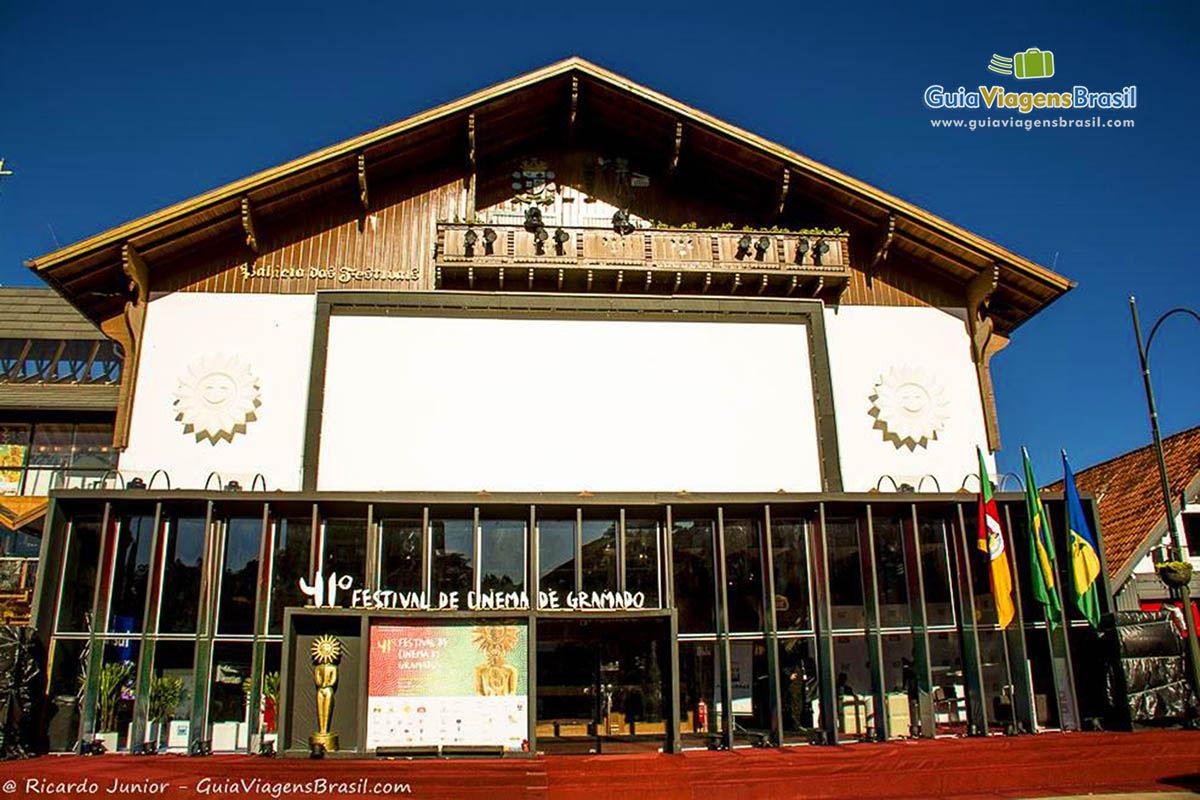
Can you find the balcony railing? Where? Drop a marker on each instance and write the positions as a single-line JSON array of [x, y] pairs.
[[644, 261]]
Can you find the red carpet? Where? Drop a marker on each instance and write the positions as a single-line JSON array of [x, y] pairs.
[[996, 767]]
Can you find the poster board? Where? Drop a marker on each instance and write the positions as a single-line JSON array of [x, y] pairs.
[[741, 664], [448, 684]]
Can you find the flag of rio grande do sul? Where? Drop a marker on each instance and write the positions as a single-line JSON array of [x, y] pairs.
[[991, 541]]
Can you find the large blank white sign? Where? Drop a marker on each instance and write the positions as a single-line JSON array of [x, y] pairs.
[[465, 404]]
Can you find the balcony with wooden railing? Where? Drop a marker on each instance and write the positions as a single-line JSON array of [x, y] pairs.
[[644, 260]]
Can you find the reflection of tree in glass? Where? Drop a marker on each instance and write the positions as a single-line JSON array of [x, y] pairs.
[[456, 571], [243, 585], [240, 582], [641, 558], [401, 556], [131, 569], [501, 583], [453, 551], [743, 572], [502, 555], [181, 575], [556, 556], [292, 543], [599, 555], [694, 577]]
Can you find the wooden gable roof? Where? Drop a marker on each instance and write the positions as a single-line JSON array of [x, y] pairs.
[[98, 274]]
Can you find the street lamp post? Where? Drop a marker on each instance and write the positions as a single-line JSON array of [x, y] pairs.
[[1185, 594]]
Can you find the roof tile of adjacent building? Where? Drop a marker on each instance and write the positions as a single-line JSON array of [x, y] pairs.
[[39, 313], [28, 312], [1128, 494]]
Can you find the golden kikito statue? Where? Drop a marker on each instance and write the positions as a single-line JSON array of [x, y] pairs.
[[493, 677], [326, 653]]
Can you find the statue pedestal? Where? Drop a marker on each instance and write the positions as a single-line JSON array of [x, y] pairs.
[[327, 740]]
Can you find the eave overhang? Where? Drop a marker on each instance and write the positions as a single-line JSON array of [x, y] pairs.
[[88, 273]]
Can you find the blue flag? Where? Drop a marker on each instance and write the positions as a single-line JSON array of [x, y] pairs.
[[1085, 552]]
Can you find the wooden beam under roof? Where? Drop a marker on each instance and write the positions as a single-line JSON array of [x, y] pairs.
[[472, 167], [574, 113], [136, 270], [985, 343], [676, 146], [364, 197], [886, 235], [248, 225]]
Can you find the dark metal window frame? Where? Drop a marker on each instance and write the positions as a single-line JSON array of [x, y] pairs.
[[953, 510]]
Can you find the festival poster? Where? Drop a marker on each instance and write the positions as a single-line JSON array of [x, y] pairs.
[[439, 684]]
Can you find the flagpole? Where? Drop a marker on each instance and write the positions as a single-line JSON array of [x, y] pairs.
[[1029, 704], [1063, 622], [1012, 687], [1185, 595], [989, 529], [1048, 582]]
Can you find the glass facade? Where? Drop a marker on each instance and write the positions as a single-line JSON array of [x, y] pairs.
[[453, 544], [131, 571], [694, 560], [38, 457], [556, 557], [899, 640], [292, 549], [643, 568], [54, 361], [239, 576], [183, 561], [502, 555], [400, 544], [599, 552]]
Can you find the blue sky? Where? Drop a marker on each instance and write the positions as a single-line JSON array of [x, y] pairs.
[[110, 111]]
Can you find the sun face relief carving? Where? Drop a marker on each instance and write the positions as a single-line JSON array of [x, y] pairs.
[[909, 405], [217, 398]]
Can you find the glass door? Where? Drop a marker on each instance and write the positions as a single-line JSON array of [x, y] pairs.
[[601, 685]]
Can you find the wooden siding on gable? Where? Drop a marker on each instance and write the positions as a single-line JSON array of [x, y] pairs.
[[900, 282], [391, 247], [388, 248]]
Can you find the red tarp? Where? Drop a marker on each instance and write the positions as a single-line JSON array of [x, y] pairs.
[[993, 767]]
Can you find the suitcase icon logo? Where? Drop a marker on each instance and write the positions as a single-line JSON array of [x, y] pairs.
[[1033, 63]]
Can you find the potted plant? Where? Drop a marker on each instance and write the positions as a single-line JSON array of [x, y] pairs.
[[1174, 573], [270, 699], [166, 693], [111, 682]]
